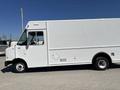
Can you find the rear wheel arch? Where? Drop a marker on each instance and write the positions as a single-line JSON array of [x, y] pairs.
[[101, 61], [102, 54]]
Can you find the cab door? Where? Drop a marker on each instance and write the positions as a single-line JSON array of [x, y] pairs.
[[37, 48]]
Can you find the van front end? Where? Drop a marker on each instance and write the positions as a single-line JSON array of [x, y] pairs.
[[10, 55], [18, 65]]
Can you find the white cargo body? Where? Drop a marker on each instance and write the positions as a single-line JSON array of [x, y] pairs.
[[67, 42]]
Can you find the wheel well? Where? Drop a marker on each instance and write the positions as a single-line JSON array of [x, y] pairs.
[[102, 54], [19, 60]]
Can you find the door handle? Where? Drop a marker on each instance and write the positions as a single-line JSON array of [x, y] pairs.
[[18, 47]]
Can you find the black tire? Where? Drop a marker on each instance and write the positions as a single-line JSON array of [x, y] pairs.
[[19, 67], [101, 63]]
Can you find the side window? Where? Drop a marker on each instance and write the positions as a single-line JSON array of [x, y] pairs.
[[40, 38], [36, 38]]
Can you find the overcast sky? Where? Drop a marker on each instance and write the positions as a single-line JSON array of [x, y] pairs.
[[10, 20]]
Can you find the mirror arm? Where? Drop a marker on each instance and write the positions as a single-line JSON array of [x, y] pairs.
[[27, 45]]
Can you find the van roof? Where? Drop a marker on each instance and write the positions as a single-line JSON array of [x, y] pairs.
[[41, 24]]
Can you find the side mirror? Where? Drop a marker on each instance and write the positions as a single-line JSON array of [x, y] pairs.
[[9, 43], [27, 45]]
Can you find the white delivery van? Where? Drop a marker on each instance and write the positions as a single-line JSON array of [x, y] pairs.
[[66, 42]]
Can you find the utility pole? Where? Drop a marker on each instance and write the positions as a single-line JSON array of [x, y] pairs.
[[10, 37], [22, 27]]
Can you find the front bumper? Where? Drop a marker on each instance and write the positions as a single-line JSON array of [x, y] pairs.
[[7, 63]]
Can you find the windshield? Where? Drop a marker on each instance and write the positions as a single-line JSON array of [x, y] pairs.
[[23, 39]]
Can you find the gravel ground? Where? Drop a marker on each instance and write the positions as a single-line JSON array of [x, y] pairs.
[[63, 78]]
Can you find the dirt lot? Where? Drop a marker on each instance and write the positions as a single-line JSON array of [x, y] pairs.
[[61, 78]]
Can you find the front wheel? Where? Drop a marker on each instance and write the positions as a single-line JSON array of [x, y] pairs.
[[19, 67], [101, 63]]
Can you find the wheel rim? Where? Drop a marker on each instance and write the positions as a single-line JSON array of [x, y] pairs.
[[20, 67], [102, 64]]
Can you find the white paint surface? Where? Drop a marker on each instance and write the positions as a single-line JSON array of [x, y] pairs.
[[70, 42]]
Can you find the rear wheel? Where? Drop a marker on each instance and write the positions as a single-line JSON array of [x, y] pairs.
[[101, 63], [19, 67]]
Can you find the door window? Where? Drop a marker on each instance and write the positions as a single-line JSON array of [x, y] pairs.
[[36, 38]]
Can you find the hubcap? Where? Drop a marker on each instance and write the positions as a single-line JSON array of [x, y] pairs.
[[20, 67], [102, 64]]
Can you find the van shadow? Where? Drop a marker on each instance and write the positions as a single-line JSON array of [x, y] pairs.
[[2, 55], [58, 68], [7, 69], [61, 68]]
